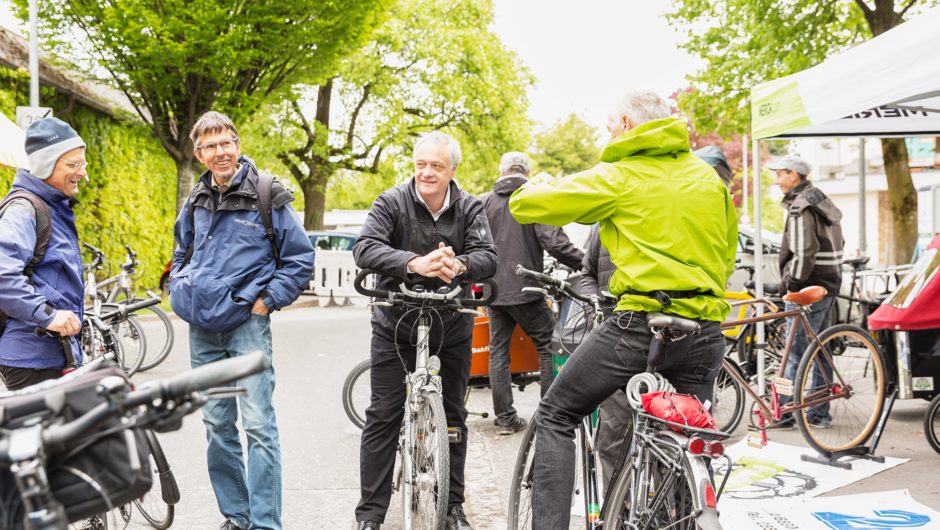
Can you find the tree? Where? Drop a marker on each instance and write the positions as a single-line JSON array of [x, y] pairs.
[[751, 41], [568, 146], [176, 59], [432, 65]]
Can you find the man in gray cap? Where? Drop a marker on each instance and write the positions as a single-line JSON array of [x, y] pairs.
[[810, 254], [525, 245], [41, 281]]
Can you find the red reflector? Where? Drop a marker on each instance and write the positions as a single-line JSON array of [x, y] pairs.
[[716, 449], [710, 500], [696, 446]]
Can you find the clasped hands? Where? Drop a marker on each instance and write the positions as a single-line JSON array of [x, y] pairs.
[[439, 263]]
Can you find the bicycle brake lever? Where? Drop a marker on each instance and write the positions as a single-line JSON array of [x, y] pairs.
[[379, 304], [539, 290], [473, 312], [224, 392]]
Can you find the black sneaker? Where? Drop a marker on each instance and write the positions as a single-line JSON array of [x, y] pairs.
[[229, 525], [781, 425], [369, 525], [456, 519], [512, 425]]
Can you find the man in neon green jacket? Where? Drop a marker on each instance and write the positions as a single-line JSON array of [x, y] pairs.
[[671, 229]]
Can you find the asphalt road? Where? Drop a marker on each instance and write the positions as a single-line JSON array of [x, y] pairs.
[[314, 350]]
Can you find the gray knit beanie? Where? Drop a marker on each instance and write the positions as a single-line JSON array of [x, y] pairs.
[[47, 140]]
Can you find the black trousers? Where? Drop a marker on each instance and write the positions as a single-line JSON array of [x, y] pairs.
[[384, 415], [16, 378]]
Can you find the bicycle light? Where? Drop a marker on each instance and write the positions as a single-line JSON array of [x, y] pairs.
[[708, 492], [696, 446], [434, 364], [700, 447]]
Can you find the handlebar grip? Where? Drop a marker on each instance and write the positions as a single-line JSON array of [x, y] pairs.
[[537, 276], [92, 249], [204, 377], [365, 291]]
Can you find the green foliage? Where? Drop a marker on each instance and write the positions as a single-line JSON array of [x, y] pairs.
[[772, 213], [568, 146], [432, 65], [130, 197]]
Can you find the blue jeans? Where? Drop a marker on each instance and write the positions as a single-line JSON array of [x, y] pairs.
[[819, 318], [250, 499]]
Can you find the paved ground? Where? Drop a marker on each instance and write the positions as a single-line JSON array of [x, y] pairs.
[[314, 350]]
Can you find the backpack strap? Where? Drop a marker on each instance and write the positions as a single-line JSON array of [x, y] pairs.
[[43, 225], [192, 223], [265, 183]]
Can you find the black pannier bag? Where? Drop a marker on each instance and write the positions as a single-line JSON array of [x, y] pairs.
[[119, 462]]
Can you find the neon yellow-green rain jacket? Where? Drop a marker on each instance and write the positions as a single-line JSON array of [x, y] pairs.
[[665, 216]]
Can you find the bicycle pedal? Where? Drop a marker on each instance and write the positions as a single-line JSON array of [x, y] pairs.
[[454, 435], [756, 439], [784, 387]]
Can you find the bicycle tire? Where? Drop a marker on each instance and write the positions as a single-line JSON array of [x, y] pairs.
[[520, 489], [728, 399], [131, 335], [156, 509], [156, 339], [678, 506], [357, 391], [932, 423], [862, 368], [430, 469]]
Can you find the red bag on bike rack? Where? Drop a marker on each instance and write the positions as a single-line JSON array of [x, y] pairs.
[[118, 462], [678, 408]]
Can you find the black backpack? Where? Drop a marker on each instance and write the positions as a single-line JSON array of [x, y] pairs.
[[43, 233], [265, 183]]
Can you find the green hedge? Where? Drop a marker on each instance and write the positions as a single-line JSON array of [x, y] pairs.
[[131, 197]]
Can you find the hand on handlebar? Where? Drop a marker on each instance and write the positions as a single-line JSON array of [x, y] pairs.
[[65, 323], [440, 263]]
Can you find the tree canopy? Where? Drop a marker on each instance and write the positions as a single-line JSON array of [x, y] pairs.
[[176, 59], [431, 65], [568, 146]]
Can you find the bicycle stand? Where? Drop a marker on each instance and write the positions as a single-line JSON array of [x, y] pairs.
[[865, 451]]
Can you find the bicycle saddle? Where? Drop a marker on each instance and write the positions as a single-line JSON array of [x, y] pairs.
[[672, 322], [856, 261], [769, 288], [807, 296]]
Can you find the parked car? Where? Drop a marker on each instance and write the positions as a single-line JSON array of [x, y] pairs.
[[165, 279], [332, 239]]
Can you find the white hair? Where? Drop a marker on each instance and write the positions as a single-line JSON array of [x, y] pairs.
[[642, 106], [448, 141], [514, 162]]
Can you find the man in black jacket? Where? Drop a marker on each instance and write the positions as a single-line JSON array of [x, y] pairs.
[[524, 245], [426, 232]]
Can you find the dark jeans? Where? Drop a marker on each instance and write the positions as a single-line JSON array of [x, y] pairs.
[[606, 360], [536, 319], [384, 416], [819, 318], [613, 427], [16, 378]]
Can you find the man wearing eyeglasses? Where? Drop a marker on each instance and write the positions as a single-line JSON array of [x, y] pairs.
[[41, 287], [225, 281]]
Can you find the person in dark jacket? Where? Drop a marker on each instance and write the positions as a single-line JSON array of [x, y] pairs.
[[525, 245], [225, 282], [52, 295], [810, 254], [426, 232]]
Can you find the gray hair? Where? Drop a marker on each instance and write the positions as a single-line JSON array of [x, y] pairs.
[[212, 122], [439, 138], [514, 162], [642, 106]]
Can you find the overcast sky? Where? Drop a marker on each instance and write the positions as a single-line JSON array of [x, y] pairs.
[[584, 53]]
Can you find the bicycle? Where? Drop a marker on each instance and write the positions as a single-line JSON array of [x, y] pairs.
[[851, 380], [161, 336], [35, 446], [868, 288], [424, 473], [932, 423]]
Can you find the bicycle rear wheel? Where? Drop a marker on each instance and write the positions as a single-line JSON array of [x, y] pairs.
[[157, 506], [932, 423], [727, 399], [130, 335], [160, 336], [523, 477], [426, 484], [357, 392], [850, 366]]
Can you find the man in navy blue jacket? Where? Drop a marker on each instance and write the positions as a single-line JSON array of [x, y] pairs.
[[225, 281], [51, 294]]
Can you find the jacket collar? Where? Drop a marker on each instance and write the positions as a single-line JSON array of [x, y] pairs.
[[508, 184], [246, 165], [25, 180], [798, 189]]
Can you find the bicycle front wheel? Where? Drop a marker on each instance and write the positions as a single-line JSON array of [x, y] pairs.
[[846, 376], [357, 392], [932, 423], [727, 399], [427, 482], [160, 336], [523, 477], [157, 504]]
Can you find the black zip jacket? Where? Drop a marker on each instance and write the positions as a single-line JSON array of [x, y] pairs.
[[522, 244], [400, 227], [811, 251]]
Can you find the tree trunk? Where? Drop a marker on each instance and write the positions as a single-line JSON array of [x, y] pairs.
[[186, 173], [314, 187], [902, 197]]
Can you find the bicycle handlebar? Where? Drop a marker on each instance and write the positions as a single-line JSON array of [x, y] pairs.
[[405, 295], [125, 309], [554, 283]]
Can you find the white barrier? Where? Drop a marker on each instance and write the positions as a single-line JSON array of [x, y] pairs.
[[333, 275]]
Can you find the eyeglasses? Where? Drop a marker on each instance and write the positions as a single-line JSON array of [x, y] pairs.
[[77, 165], [226, 145]]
